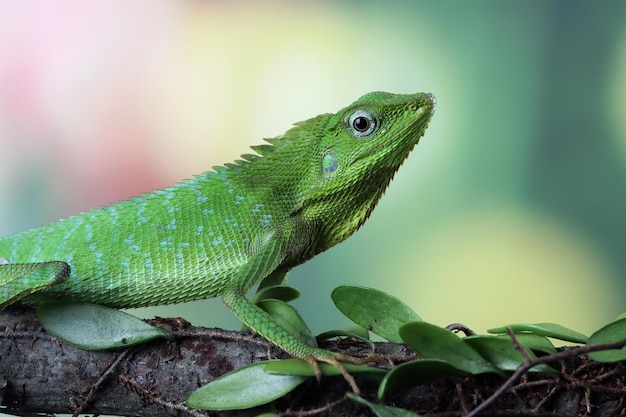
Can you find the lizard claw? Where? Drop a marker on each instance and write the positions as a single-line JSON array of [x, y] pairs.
[[334, 361]]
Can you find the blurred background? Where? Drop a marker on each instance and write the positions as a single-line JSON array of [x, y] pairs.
[[511, 209]]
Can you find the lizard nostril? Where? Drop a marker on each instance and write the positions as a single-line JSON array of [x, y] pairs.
[[427, 100], [430, 97]]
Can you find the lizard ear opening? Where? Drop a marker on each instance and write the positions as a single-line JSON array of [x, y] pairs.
[[329, 164]]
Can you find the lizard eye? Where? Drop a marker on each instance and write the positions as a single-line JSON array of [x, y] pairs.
[[362, 123]]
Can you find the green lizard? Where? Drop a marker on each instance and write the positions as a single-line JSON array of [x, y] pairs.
[[226, 230]]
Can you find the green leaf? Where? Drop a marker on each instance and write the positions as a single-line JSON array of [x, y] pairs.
[[373, 309], [502, 353], [382, 410], [355, 332], [273, 279], [243, 388], [555, 331], [421, 371], [277, 292], [299, 367], [95, 327], [612, 332], [287, 317], [532, 341], [433, 342]]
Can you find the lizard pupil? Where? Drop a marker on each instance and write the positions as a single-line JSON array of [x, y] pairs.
[[361, 124]]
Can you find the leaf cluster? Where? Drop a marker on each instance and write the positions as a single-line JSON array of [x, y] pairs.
[[443, 354]]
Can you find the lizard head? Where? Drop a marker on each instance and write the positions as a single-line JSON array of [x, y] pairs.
[[331, 170], [360, 148]]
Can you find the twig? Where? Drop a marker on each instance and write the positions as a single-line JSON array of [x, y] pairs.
[[314, 411], [151, 396], [517, 344], [103, 377], [544, 359], [459, 327]]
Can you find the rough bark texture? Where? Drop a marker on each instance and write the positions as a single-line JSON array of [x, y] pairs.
[[40, 374]]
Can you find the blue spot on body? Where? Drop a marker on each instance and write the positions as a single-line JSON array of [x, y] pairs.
[[88, 233], [266, 221], [126, 263], [167, 245]]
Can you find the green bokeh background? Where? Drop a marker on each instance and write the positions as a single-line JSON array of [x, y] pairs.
[[511, 209]]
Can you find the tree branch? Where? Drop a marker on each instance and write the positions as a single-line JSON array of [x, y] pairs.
[[40, 374]]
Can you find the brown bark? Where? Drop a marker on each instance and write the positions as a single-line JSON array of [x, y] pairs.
[[40, 374]]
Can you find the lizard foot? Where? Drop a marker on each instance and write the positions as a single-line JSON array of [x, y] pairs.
[[333, 360], [336, 359]]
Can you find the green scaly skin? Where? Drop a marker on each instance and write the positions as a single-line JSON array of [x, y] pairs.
[[224, 231]]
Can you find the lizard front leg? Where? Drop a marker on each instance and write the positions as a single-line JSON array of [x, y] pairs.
[[262, 323], [261, 266]]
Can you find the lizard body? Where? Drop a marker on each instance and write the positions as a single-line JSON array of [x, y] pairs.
[[226, 230]]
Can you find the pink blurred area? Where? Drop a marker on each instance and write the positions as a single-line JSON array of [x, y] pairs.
[[74, 81]]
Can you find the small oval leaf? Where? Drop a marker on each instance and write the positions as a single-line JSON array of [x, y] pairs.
[[299, 367], [553, 330], [355, 332], [289, 318], [433, 342], [502, 353], [421, 371], [612, 332], [243, 388], [532, 341], [95, 327], [375, 310], [277, 292]]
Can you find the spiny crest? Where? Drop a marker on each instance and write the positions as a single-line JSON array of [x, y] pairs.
[[300, 131], [294, 138]]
